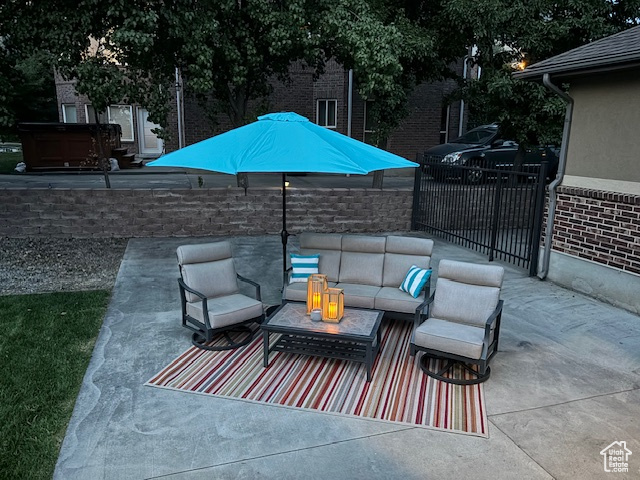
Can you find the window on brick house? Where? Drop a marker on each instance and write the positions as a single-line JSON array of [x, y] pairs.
[[369, 124], [69, 113], [444, 124], [327, 113], [118, 114], [90, 115]]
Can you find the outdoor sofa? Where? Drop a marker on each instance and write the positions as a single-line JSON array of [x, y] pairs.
[[370, 270]]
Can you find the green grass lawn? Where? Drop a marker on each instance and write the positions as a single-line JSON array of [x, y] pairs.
[[45, 347], [8, 161]]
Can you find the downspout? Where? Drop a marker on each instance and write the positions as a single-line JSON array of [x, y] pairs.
[[553, 186], [350, 103]]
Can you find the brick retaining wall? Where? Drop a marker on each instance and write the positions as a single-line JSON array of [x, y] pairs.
[[600, 226], [199, 212]]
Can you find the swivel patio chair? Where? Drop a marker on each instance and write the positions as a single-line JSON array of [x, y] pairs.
[[463, 322], [212, 304]]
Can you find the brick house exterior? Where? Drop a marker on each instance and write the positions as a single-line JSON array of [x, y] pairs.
[[423, 128]]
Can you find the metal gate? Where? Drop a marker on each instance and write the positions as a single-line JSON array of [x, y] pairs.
[[497, 212]]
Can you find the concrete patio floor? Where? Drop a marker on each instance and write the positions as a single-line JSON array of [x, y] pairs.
[[565, 385]]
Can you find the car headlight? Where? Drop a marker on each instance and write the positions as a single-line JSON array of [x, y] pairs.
[[452, 158]]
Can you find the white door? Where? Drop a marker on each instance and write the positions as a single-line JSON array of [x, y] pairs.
[[149, 143]]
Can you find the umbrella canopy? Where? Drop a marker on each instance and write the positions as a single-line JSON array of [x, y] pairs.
[[282, 142]]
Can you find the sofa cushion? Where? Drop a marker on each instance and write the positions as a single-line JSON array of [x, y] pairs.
[[396, 266], [226, 310], [329, 263], [363, 244], [362, 268], [422, 247], [391, 299], [329, 246], [401, 254], [297, 292], [323, 241], [356, 295], [362, 260], [450, 337], [460, 302]]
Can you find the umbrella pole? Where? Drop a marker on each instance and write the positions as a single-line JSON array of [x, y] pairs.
[[284, 234]]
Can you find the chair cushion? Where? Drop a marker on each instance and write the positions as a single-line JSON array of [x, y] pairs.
[[415, 280], [396, 266], [227, 310], [212, 279], [392, 299], [450, 337], [356, 295], [475, 274], [297, 292], [302, 266], [203, 252], [460, 302]]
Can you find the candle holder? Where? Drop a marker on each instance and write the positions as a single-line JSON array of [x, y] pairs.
[[332, 305], [316, 285]]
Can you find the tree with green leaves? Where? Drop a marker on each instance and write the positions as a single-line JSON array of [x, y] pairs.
[[27, 89], [508, 34]]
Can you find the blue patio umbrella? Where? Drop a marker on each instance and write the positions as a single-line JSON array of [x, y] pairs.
[[283, 143]]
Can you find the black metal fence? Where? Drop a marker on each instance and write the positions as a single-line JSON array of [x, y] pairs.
[[497, 212]]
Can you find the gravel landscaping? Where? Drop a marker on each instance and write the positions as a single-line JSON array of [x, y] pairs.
[[39, 265]]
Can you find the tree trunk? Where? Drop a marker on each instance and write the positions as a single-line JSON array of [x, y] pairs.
[[101, 158], [518, 161], [378, 177], [238, 111]]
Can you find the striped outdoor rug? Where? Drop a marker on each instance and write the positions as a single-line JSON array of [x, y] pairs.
[[398, 392]]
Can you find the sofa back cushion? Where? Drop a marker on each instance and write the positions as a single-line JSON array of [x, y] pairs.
[[401, 254], [328, 246], [208, 268], [362, 260]]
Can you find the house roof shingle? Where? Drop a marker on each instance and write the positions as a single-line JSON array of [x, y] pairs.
[[618, 51]]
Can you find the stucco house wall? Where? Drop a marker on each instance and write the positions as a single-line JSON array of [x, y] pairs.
[[604, 147]]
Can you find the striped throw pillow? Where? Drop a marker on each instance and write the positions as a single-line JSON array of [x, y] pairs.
[[415, 280], [303, 266]]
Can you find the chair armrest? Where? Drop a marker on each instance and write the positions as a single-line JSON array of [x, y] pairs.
[[205, 308], [427, 302], [184, 286], [287, 274], [493, 318], [251, 282]]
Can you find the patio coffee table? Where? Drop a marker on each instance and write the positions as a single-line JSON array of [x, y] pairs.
[[355, 338]]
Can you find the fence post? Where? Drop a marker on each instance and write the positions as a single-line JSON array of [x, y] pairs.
[[537, 219], [496, 216], [417, 182]]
